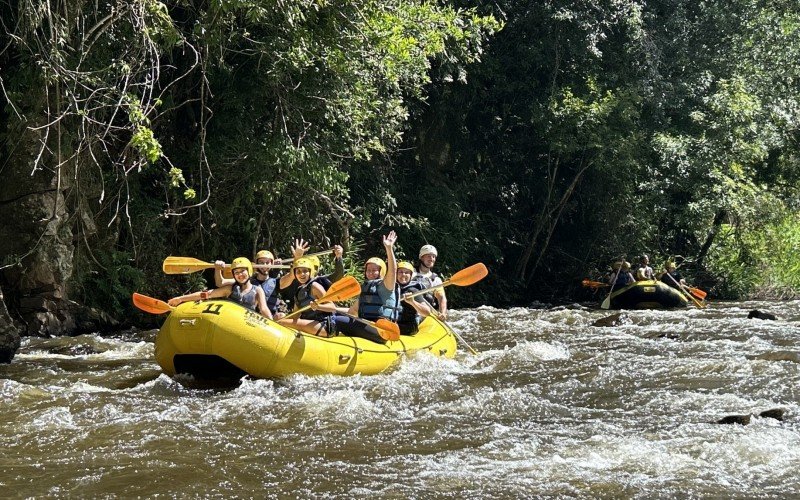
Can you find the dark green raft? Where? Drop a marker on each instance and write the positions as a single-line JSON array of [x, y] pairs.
[[647, 295]]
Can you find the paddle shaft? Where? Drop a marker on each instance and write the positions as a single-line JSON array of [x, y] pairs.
[[315, 254], [607, 301], [682, 289], [458, 336]]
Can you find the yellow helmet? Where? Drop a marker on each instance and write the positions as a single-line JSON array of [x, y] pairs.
[[378, 262], [242, 263], [314, 262], [264, 254], [404, 264], [306, 263]]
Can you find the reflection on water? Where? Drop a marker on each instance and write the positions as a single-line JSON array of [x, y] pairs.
[[550, 406]]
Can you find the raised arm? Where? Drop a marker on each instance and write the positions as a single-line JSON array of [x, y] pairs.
[[390, 279], [219, 280]]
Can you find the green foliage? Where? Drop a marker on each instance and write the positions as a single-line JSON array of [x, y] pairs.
[[110, 289], [758, 262]]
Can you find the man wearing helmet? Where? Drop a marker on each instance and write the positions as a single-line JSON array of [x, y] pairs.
[[241, 291], [261, 278], [427, 279]]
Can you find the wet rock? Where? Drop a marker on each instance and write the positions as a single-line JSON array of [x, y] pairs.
[[9, 334], [755, 313], [617, 319], [735, 419], [776, 413]]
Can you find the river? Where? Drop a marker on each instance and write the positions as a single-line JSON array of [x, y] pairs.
[[551, 406]]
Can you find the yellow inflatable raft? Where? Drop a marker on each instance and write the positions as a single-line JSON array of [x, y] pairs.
[[222, 339]]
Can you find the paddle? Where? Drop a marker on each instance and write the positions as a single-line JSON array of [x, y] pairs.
[[344, 289], [465, 277], [151, 305], [700, 294], [438, 316], [594, 284], [607, 301], [188, 265], [315, 254], [699, 304]]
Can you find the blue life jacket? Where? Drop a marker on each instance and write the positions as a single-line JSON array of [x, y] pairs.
[[270, 287], [376, 301], [304, 297], [248, 300]]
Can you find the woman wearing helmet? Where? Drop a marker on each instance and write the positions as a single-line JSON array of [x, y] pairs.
[[620, 274], [241, 291], [427, 278], [317, 320], [414, 309], [260, 278], [380, 297]]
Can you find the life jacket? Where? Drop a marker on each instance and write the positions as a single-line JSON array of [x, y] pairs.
[[409, 315], [426, 282], [376, 301], [270, 287], [303, 297], [248, 299], [623, 279]]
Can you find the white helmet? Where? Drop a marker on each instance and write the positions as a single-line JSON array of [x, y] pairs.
[[426, 249]]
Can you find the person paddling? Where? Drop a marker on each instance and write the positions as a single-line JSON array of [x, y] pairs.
[[414, 309], [241, 291], [425, 276], [672, 277], [261, 278], [318, 320]]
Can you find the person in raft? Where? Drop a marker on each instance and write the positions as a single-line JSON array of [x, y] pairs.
[[643, 271], [620, 274], [379, 298], [415, 308], [319, 319], [672, 277], [241, 291], [261, 278], [425, 276]]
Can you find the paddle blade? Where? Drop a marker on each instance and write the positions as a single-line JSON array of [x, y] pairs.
[[344, 289], [184, 265], [700, 294], [593, 284], [469, 275], [606, 302], [388, 330], [151, 305]]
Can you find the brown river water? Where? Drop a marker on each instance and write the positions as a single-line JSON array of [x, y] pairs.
[[551, 406]]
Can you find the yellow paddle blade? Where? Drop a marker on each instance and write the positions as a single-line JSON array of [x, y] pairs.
[[151, 305], [469, 275], [388, 330], [184, 265]]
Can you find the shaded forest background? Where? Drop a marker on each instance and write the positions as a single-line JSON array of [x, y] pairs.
[[545, 139]]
